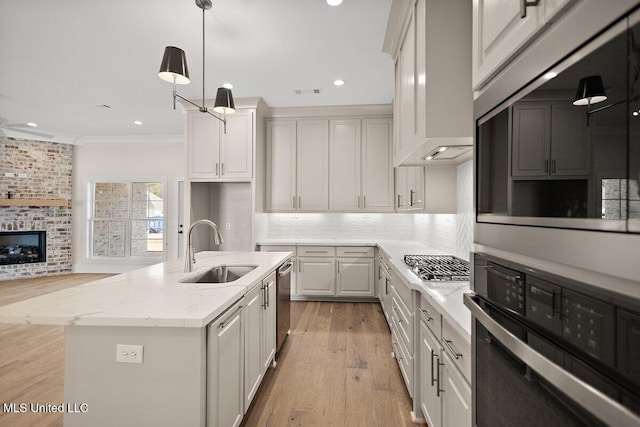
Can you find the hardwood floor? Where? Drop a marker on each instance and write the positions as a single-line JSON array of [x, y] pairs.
[[32, 356], [335, 368]]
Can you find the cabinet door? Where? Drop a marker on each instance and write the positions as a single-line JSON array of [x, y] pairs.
[[377, 166], [268, 320], [281, 165], [344, 166], [355, 277], [407, 93], [456, 399], [225, 369], [499, 32], [430, 399], [401, 200], [203, 146], [313, 165], [570, 154], [236, 147], [415, 189], [252, 340], [316, 276], [531, 139]]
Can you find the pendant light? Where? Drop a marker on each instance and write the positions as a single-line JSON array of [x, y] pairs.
[[173, 69]]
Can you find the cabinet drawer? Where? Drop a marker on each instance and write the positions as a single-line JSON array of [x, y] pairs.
[[404, 321], [355, 251], [403, 290], [405, 362], [278, 248], [317, 251], [431, 316], [458, 348]]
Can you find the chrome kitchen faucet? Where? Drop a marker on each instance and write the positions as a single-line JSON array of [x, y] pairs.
[[190, 257]]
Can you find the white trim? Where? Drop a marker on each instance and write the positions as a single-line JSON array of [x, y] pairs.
[[131, 139]]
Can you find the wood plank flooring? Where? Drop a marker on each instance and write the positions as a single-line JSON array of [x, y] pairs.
[[32, 356], [335, 368]]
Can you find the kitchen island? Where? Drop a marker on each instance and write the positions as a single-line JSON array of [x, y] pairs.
[[154, 310]]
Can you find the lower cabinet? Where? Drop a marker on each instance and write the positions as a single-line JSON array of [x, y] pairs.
[[240, 347], [430, 392], [316, 276], [355, 277], [225, 369], [456, 400]]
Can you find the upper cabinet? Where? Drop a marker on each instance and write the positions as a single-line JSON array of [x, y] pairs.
[[341, 165], [430, 41], [549, 139], [214, 155]]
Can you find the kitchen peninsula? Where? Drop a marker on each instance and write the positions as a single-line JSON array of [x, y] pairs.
[[161, 320]]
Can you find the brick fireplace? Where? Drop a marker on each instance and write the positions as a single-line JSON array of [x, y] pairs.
[[38, 171]]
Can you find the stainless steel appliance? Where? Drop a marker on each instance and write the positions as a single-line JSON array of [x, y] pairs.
[[283, 305], [551, 351], [438, 268]]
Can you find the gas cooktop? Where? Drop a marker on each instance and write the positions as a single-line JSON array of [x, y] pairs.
[[438, 268]]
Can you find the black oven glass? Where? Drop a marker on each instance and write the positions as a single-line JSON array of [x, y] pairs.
[[541, 156]]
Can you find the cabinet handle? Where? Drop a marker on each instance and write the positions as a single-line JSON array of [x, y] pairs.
[[299, 202], [411, 197], [386, 286], [546, 166], [426, 313], [231, 316], [452, 350], [364, 202], [438, 389], [553, 166], [398, 200], [338, 265], [222, 168], [433, 379], [263, 288], [358, 202], [294, 202], [526, 3], [217, 168]]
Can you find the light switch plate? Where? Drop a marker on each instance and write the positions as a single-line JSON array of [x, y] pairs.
[[22, 175], [126, 353], [9, 174]]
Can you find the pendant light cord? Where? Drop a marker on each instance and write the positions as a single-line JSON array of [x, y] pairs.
[[203, 62]]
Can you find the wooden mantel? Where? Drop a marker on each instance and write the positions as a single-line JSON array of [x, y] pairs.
[[34, 202]]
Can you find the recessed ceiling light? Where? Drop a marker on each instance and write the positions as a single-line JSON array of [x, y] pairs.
[[227, 86], [334, 2], [550, 75], [137, 122], [338, 82], [33, 125]]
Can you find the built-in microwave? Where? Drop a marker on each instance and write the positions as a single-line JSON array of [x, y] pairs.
[[564, 151]]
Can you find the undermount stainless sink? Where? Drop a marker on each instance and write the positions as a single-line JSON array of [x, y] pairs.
[[221, 274]]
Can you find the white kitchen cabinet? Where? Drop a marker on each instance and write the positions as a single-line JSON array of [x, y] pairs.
[[377, 165], [214, 155], [312, 166], [294, 259], [355, 277], [316, 276], [281, 165], [410, 188], [345, 160], [540, 149], [500, 32], [252, 343], [430, 368], [456, 399], [269, 302], [225, 369]]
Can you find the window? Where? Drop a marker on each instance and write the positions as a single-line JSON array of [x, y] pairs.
[[126, 218]]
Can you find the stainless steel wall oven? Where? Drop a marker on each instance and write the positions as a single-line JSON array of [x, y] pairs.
[[551, 351]]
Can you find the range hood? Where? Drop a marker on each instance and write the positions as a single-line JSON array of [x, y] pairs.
[[440, 152]]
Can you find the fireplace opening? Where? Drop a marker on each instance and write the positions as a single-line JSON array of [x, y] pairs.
[[22, 247]]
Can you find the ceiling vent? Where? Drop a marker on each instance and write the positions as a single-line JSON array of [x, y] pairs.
[[101, 106], [307, 91]]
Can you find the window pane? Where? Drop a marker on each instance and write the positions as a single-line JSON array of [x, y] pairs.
[[117, 238]]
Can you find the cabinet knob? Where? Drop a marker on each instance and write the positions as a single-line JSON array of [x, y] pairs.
[[524, 4]]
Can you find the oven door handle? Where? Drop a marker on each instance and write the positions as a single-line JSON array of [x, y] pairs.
[[601, 406]]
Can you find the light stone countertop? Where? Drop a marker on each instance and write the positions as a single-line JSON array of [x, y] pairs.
[[152, 296], [447, 298]]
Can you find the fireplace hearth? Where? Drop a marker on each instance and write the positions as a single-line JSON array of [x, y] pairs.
[[22, 247]]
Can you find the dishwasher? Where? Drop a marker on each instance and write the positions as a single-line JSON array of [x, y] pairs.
[[283, 306]]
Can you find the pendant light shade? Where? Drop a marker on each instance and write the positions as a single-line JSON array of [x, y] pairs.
[[590, 91], [224, 102], [174, 66]]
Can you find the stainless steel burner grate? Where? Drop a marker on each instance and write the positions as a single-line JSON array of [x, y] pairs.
[[441, 268]]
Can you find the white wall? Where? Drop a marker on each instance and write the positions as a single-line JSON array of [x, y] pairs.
[[162, 159]]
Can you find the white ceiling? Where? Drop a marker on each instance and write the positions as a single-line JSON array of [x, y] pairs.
[[58, 59]]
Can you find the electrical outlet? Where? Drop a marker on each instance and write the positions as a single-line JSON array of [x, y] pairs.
[[126, 353], [9, 174], [22, 175]]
